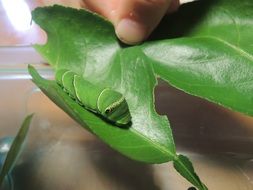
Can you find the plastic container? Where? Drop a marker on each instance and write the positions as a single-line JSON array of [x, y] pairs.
[[62, 155]]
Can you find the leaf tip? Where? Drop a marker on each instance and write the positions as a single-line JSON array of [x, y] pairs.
[[33, 72], [30, 68], [28, 118], [185, 168]]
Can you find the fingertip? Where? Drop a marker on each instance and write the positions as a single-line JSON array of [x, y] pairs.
[[131, 32], [136, 19], [174, 5]]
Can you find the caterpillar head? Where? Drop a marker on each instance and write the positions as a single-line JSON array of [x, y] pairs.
[[112, 105]]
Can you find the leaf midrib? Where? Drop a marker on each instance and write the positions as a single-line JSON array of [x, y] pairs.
[[236, 48], [161, 148]]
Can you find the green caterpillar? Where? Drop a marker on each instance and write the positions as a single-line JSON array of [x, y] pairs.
[[104, 101]]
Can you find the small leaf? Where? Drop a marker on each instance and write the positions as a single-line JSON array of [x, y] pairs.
[[15, 148], [184, 166]]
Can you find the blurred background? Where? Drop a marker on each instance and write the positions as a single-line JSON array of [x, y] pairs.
[[61, 155]]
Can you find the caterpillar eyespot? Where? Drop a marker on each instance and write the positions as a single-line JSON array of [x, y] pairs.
[[104, 101]]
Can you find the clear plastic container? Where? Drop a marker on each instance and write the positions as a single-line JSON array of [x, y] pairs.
[[62, 155]]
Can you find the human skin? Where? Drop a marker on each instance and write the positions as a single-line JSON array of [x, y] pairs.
[[133, 20]]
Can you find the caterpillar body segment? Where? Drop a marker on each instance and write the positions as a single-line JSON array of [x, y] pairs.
[[102, 100]]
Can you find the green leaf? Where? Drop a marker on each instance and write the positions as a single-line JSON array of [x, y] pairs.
[[184, 166], [213, 58], [15, 148], [79, 41], [90, 48], [148, 139]]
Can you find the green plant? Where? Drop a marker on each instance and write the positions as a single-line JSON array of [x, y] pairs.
[[206, 51]]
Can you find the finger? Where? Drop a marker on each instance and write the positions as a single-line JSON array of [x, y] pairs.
[[174, 5], [105, 8], [136, 19]]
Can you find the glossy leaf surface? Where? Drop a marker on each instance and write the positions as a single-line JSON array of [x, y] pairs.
[[212, 56]]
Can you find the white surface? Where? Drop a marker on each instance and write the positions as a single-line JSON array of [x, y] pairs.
[[19, 55], [186, 1]]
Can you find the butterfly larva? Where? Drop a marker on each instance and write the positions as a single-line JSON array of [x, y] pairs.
[[104, 101]]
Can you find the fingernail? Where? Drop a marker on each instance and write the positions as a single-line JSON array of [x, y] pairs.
[[130, 32]]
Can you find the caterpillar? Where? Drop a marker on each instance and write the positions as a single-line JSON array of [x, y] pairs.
[[108, 103]]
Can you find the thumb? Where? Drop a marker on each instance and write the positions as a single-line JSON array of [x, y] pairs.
[[136, 19]]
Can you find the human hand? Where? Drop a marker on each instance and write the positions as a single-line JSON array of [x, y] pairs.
[[133, 20]]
